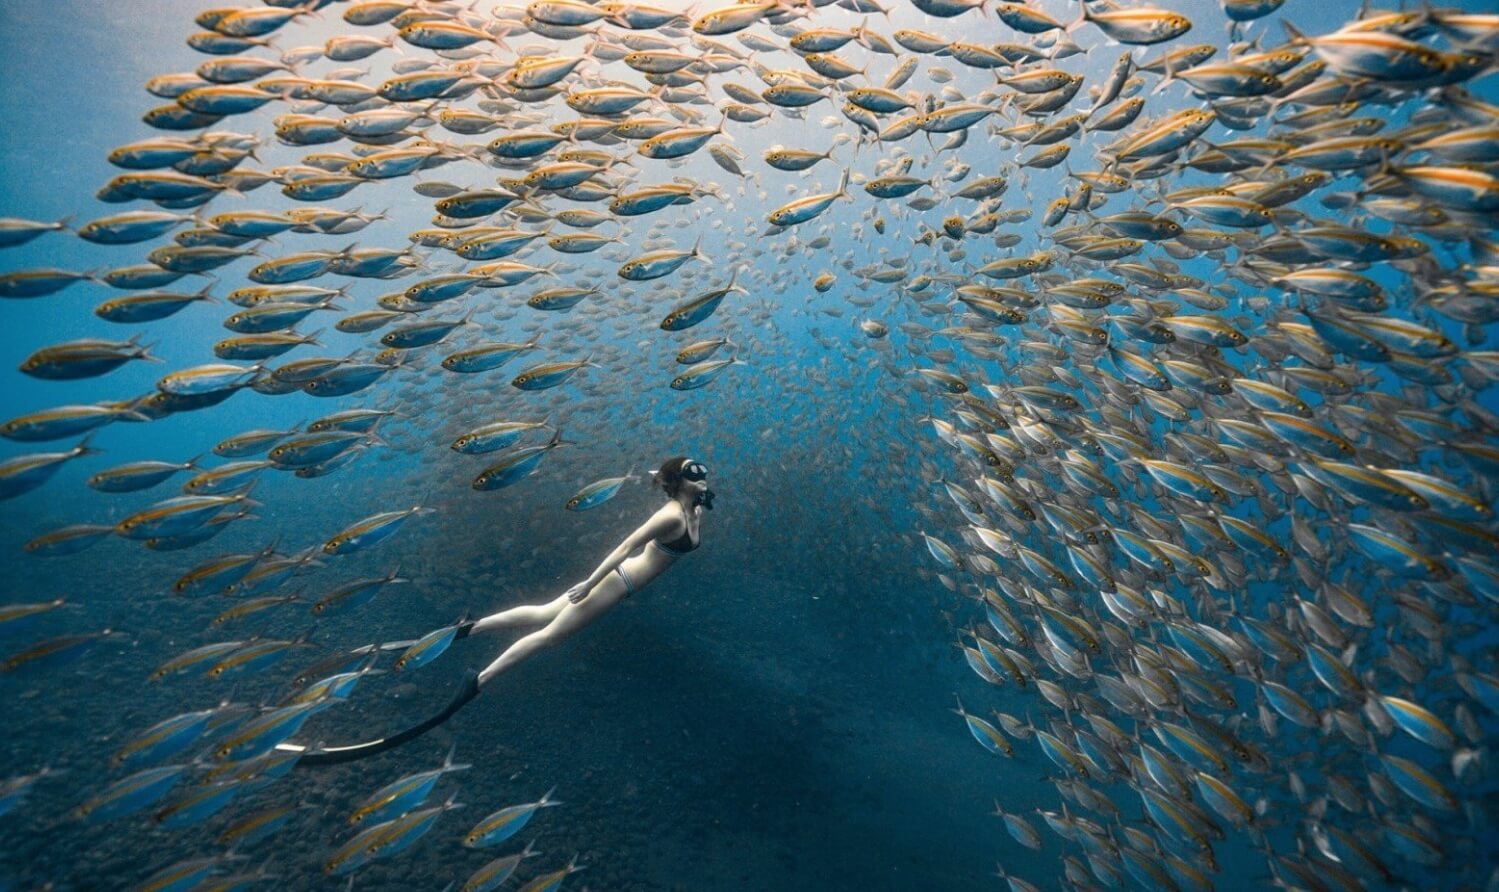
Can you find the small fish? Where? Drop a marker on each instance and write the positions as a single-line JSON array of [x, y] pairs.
[[551, 374], [165, 738], [505, 823], [131, 794], [427, 648], [260, 734], [655, 264], [598, 492], [257, 826], [699, 308], [495, 436], [401, 796], [137, 476], [54, 651], [352, 595], [804, 209], [496, 872], [84, 358], [704, 373], [550, 882]]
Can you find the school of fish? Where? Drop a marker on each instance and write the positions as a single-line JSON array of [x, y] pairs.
[[1210, 466]]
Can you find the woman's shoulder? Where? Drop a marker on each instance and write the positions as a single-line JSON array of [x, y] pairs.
[[672, 511]]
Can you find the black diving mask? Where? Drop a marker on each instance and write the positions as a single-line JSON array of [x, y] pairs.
[[694, 471]]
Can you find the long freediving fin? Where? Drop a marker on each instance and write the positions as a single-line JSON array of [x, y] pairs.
[[336, 755]]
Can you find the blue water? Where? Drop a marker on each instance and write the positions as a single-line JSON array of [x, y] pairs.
[[773, 714]]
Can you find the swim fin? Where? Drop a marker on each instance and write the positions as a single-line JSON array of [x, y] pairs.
[[467, 691]]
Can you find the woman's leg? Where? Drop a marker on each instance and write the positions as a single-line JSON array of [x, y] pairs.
[[524, 615], [572, 618]]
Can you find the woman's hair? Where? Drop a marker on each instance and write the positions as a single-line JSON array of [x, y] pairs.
[[670, 474]]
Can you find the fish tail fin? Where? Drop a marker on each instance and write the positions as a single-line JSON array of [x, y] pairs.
[[697, 251], [1082, 18], [1166, 81], [1294, 33], [843, 186], [144, 352], [546, 798], [83, 447], [449, 765]]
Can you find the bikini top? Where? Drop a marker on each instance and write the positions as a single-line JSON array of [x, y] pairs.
[[679, 546]]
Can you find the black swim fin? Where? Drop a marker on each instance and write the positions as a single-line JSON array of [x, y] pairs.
[[337, 755]]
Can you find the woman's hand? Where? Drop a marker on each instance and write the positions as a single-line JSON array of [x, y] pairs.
[[579, 591]]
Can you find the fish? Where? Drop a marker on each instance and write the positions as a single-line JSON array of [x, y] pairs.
[[165, 738], [24, 473], [803, 209], [427, 648], [85, 358], [499, 826], [1215, 322], [496, 872], [54, 651], [549, 882], [517, 465], [401, 796], [550, 374], [703, 373], [353, 595], [372, 530], [699, 308], [494, 436], [404, 831], [63, 422], [598, 492], [261, 734], [131, 794], [258, 826], [656, 264]]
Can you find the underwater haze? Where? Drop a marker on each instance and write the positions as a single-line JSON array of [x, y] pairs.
[[1097, 400]]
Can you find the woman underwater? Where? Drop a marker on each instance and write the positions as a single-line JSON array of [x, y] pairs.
[[671, 532]]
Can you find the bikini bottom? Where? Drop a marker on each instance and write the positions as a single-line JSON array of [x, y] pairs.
[[629, 586]]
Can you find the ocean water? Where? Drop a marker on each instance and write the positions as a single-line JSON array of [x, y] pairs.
[[775, 712]]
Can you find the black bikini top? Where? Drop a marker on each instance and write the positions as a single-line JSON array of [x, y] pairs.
[[679, 546]]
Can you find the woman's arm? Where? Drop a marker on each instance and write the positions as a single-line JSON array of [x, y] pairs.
[[662, 523]]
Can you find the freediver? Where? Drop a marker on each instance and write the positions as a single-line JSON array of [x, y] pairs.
[[671, 532]]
